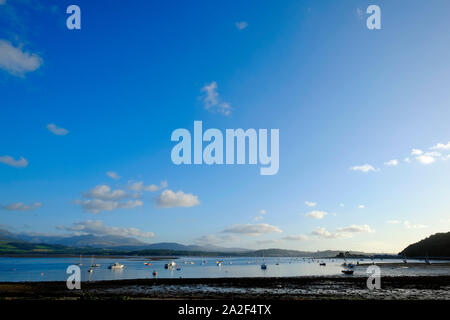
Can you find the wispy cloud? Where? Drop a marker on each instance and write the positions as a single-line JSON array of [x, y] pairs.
[[441, 146], [97, 205], [363, 168], [409, 225], [345, 232], [216, 239], [299, 237], [99, 229], [19, 206], [427, 158], [391, 163], [10, 161], [316, 214], [252, 229], [113, 175], [170, 199], [310, 203], [16, 61], [241, 25], [103, 198], [212, 101], [140, 186], [53, 128], [104, 192]]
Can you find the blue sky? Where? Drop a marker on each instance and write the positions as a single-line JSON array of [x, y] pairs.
[[346, 99]]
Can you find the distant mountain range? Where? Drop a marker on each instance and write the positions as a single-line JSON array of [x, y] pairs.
[[437, 245], [110, 242]]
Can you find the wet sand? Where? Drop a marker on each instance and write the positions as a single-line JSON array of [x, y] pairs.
[[298, 288]]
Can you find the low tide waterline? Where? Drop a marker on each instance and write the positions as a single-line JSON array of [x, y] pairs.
[[14, 269]]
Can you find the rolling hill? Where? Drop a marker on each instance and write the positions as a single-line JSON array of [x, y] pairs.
[[437, 245]]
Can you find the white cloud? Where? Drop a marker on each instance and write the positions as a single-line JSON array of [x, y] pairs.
[[10, 161], [99, 229], [355, 229], [241, 25], [361, 206], [212, 101], [310, 203], [113, 175], [97, 205], [408, 225], [267, 242], [103, 192], [19, 206], [262, 211], [215, 239], [441, 146], [140, 186], [363, 168], [57, 130], [258, 218], [16, 61], [170, 199], [407, 160], [316, 214], [416, 152], [299, 237], [393, 221], [252, 229], [345, 232], [391, 163], [323, 233], [426, 159]]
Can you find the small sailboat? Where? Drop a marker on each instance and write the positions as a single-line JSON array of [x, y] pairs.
[[264, 266], [90, 270], [147, 263], [94, 265], [155, 273], [404, 259], [81, 261], [170, 265], [116, 266], [348, 271], [427, 261]]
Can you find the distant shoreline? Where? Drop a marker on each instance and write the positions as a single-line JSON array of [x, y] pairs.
[[43, 255]]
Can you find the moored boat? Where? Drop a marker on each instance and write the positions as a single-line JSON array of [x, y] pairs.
[[116, 266]]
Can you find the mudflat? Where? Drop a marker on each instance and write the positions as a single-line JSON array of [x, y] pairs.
[[293, 288]]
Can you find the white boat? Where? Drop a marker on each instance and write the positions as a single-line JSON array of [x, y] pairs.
[[170, 265], [94, 265], [116, 266], [81, 261]]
